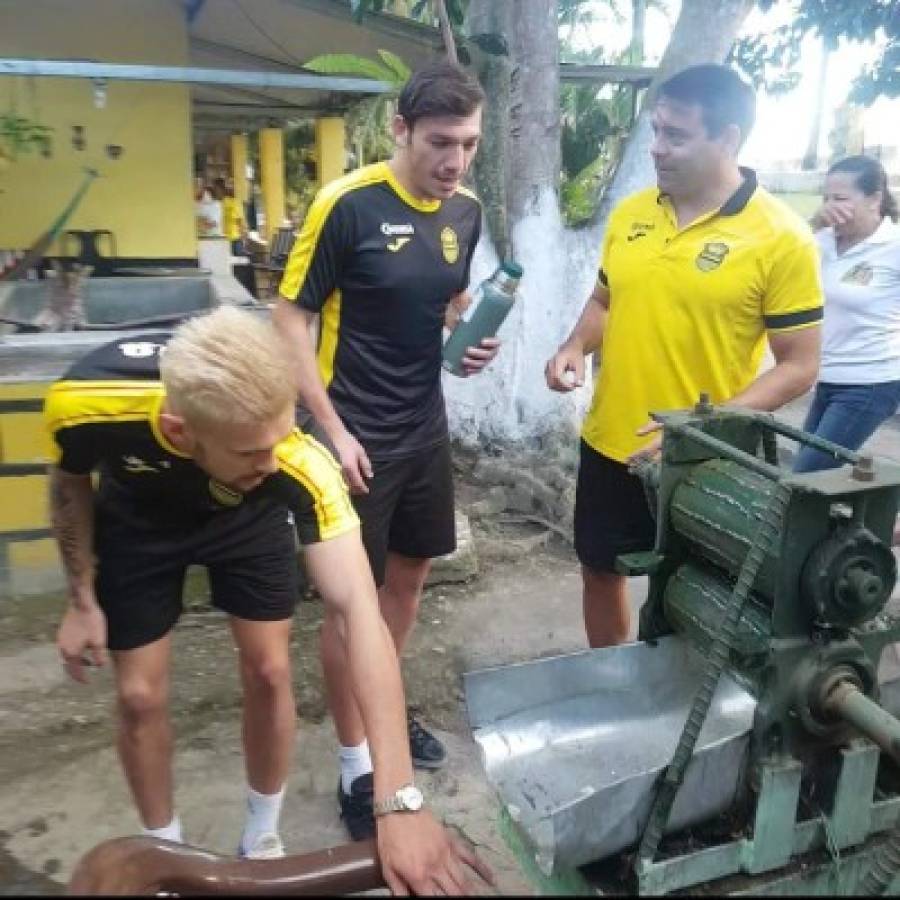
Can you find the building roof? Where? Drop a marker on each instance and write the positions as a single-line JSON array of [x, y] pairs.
[[280, 36], [238, 48]]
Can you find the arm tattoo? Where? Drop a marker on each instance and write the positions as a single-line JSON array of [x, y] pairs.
[[70, 529]]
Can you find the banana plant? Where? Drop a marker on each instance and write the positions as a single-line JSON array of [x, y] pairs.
[[388, 67], [449, 14], [414, 9], [367, 124]]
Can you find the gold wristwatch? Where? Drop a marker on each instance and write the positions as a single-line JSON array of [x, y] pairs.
[[405, 799]]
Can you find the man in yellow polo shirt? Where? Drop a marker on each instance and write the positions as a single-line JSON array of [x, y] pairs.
[[234, 228], [694, 276]]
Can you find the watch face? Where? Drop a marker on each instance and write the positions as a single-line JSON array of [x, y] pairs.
[[411, 797]]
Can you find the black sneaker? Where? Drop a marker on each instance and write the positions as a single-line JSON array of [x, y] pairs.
[[356, 807], [426, 750]]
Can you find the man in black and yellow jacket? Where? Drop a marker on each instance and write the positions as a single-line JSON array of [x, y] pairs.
[[199, 463], [382, 258]]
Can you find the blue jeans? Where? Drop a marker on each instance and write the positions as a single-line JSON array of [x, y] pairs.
[[846, 414]]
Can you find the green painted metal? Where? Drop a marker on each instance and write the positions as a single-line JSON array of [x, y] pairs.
[[851, 813], [695, 600], [562, 883], [812, 624], [816, 878], [782, 856], [776, 811], [782, 579], [717, 508]]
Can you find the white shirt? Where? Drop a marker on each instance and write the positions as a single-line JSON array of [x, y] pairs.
[[861, 331]]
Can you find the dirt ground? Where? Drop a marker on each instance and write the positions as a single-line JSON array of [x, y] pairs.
[[61, 789]]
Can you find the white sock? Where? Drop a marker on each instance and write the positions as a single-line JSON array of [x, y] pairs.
[[263, 811], [355, 761], [170, 832]]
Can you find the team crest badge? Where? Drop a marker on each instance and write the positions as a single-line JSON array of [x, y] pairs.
[[711, 256], [224, 496], [860, 274], [450, 245]]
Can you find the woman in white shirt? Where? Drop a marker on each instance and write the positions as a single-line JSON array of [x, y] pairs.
[[859, 375]]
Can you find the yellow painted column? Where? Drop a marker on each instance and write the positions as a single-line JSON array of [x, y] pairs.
[[330, 150], [239, 167], [271, 164], [33, 565]]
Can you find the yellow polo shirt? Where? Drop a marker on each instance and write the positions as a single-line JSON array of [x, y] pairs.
[[689, 308], [232, 217]]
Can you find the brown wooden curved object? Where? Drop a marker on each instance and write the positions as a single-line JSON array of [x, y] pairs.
[[141, 866]]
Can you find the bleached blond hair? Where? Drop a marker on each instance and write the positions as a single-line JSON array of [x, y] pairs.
[[229, 366]]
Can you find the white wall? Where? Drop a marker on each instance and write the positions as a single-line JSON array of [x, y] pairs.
[[510, 401]]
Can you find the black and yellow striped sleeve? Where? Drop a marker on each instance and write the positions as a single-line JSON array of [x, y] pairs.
[[310, 482], [793, 298], [78, 416], [313, 267], [71, 445]]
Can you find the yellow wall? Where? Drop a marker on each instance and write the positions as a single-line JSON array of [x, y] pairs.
[[33, 565], [145, 196]]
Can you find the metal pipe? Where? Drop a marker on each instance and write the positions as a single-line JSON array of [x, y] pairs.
[[846, 701], [726, 450], [804, 437], [143, 866], [69, 68]]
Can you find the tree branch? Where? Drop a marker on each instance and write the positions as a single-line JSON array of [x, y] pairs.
[[440, 9]]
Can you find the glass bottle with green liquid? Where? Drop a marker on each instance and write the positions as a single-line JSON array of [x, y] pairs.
[[491, 302]]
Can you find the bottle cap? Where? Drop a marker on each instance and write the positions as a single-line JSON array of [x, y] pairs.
[[513, 269]]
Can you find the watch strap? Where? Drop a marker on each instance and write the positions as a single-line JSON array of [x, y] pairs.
[[388, 805], [395, 802]]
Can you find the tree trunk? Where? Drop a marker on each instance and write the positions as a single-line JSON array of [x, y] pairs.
[[517, 172], [636, 47], [534, 121], [704, 33], [811, 157], [486, 17], [638, 23], [519, 160]]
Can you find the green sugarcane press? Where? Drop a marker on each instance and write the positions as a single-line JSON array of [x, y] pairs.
[[767, 604]]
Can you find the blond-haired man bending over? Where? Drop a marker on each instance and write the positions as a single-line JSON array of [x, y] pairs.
[[193, 435]]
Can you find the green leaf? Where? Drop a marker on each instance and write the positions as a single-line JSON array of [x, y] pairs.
[[456, 12], [350, 64], [400, 69]]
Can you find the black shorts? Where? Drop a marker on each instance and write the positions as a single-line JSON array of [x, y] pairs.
[[612, 515], [250, 554], [409, 508]]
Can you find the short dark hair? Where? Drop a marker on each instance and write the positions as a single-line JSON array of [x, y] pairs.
[[870, 178], [219, 184], [439, 88], [723, 96]]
